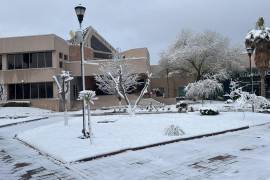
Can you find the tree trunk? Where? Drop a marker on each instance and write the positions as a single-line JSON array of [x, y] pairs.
[[65, 112], [64, 103], [142, 93], [262, 75], [89, 123]]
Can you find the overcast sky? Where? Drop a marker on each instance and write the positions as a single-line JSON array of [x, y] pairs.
[[134, 23]]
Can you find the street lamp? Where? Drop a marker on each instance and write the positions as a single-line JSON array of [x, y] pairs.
[[250, 51], [80, 10]]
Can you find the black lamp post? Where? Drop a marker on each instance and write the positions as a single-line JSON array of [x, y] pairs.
[[250, 51], [80, 10]]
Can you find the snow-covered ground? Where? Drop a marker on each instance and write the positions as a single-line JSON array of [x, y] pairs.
[[122, 132], [10, 115]]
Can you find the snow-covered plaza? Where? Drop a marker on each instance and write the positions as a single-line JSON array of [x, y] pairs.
[[119, 132], [134, 90], [47, 149]]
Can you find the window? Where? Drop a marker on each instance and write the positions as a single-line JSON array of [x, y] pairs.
[[19, 91], [49, 90], [29, 60], [42, 90], [48, 59], [26, 60], [18, 61], [11, 91], [26, 91], [60, 64], [0, 62], [41, 60], [34, 60], [181, 91], [34, 91], [102, 55], [96, 44], [30, 90], [10, 61], [65, 57], [60, 55]]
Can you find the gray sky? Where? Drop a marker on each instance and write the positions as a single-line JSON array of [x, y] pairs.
[[134, 23]]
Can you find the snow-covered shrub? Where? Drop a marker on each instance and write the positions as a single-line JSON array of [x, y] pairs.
[[235, 90], [229, 101], [174, 130], [209, 111], [204, 89], [246, 100], [182, 106]]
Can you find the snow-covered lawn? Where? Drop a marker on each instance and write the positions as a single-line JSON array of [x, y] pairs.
[[125, 131], [10, 115]]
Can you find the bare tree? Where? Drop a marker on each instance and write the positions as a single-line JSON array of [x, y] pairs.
[[117, 78], [198, 54], [63, 88], [120, 80]]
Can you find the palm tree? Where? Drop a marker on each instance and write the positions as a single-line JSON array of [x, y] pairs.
[[89, 97], [259, 40]]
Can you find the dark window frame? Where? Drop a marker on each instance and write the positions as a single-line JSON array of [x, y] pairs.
[[65, 57], [30, 91], [60, 55], [1, 62], [30, 60]]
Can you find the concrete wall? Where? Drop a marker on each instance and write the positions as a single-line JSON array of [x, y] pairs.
[[138, 65], [75, 53], [27, 44], [171, 85]]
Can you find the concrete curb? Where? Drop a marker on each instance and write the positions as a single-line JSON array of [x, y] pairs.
[[135, 148], [22, 122], [111, 113]]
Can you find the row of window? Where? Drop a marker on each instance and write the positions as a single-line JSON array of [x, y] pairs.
[[29, 60], [30, 90], [102, 55], [97, 45]]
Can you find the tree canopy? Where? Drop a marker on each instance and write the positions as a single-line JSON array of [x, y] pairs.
[[199, 54]]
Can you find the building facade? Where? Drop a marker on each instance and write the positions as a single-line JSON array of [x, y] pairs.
[[27, 65]]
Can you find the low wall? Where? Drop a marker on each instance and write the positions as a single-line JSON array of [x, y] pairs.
[[51, 104]]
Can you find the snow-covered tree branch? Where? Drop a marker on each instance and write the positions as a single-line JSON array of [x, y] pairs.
[[199, 54], [3, 93], [204, 89], [63, 83], [118, 79]]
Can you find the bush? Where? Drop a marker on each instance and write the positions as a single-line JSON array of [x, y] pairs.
[[17, 104], [209, 111], [182, 106], [173, 130]]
